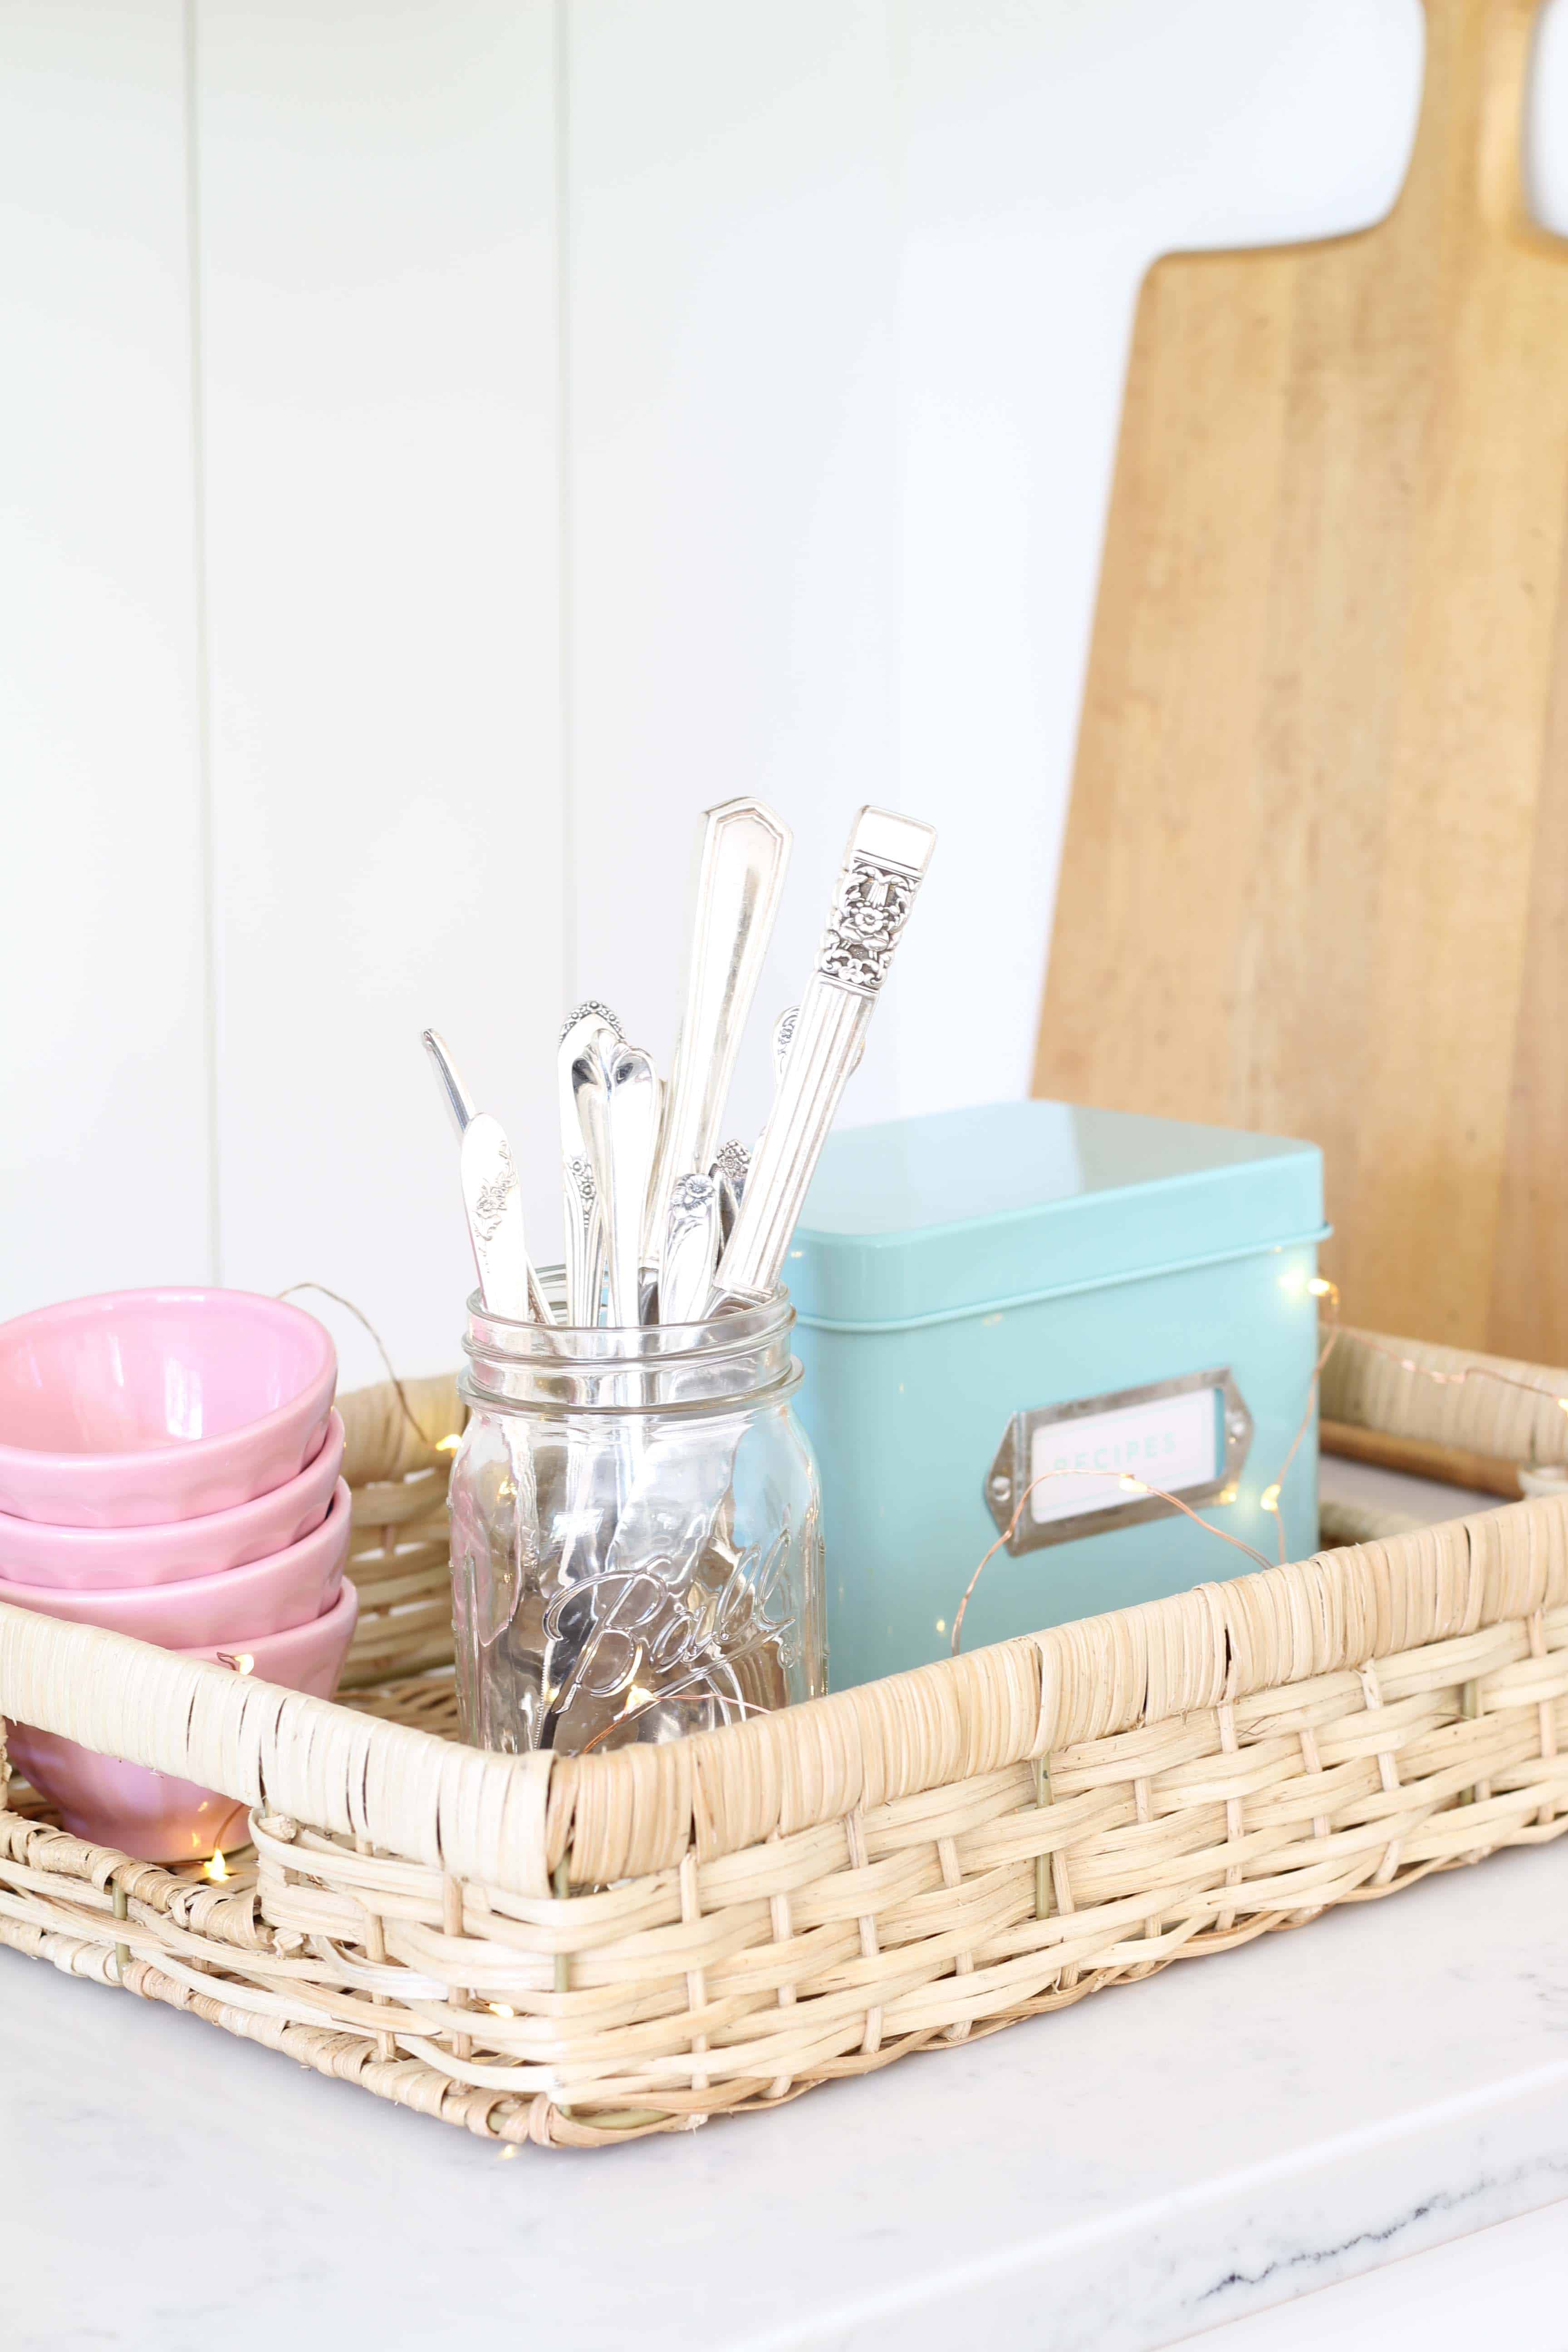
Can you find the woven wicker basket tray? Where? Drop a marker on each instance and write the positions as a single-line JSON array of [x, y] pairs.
[[579, 1951]]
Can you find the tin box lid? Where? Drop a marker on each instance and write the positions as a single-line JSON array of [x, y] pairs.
[[969, 1209]]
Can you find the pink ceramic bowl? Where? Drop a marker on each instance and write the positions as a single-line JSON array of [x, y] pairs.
[[110, 1560], [264, 1596], [151, 1814], [145, 1406]]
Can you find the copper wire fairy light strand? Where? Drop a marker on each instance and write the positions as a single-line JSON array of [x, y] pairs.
[[1458, 1378], [1129, 1485], [1318, 1287], [1270, 1499], [361, 1317]]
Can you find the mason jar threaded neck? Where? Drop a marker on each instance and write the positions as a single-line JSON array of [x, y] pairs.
[[736, 1358]]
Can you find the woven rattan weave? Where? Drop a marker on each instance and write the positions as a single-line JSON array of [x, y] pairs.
[[576, 1951]]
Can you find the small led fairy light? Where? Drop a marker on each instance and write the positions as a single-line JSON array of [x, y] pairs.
[[1295, 1285], [216, 1868], [1126, 1484], [1457, 1379]]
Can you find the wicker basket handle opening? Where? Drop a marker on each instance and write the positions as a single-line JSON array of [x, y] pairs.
[[407, 1792]]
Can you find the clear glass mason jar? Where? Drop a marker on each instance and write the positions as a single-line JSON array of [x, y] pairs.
[[636, 1531]]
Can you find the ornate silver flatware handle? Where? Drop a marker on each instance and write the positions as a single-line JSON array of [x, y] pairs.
[[745, 849], [886, 860]]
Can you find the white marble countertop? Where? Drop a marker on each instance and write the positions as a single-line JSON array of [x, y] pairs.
[[1151, 2165]]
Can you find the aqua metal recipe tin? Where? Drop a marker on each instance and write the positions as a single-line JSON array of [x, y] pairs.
[[1085, 1302]]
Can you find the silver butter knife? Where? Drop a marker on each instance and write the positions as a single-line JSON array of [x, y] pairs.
[[484, 1167], [745, 849], [492, 1198], [458, 1100], [887, 859]]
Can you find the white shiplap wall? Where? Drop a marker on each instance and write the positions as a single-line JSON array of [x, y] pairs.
[[448, 443]]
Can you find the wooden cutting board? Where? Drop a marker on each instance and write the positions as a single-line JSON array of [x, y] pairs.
[[1316, 872]]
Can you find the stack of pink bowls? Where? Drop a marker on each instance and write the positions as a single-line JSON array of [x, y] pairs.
[[168, 1465]]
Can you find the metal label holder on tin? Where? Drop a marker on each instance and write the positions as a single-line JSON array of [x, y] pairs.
[[1010, 1473]]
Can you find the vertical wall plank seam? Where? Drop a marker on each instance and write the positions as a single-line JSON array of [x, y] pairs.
[[203, 663], [566, 569]]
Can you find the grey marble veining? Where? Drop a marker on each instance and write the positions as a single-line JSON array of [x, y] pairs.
[[1149, 2165], [1507, 2283]]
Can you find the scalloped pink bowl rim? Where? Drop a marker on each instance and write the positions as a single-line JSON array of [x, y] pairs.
[[271, 1595], [152, 1815], [153, 1483], [100, 1560]]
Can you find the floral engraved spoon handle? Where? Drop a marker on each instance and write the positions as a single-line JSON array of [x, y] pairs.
[[593, 1029]]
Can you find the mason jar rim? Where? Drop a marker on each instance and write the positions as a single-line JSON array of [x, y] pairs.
[[602, 1346]]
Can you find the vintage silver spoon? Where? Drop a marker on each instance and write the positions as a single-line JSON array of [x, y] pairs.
[[730, 1164], [616, 1099], [631, 1110], [882, 870], [691, 1249], [745, 849], [590, 1025]]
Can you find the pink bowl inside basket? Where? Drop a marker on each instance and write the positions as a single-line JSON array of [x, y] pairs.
[[143, 1406], [263, 1596], [111, 1560], [151, 1814]]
